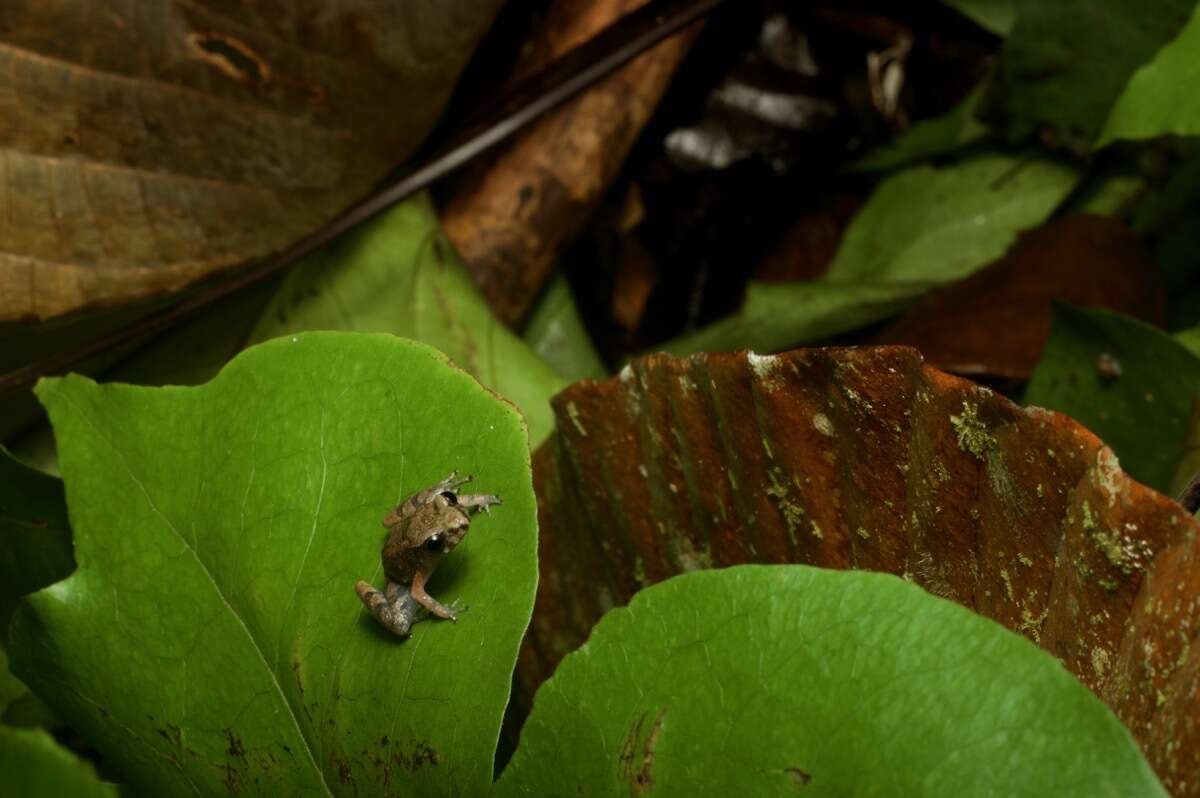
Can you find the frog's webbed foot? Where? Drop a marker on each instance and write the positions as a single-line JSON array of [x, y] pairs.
[[396, 610]]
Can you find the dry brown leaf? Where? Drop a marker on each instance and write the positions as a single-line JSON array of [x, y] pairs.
[[868, 458], [511, 218], [146, 145]]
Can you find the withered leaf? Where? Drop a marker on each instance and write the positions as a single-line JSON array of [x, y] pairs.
[[146, 145], [870, 459]]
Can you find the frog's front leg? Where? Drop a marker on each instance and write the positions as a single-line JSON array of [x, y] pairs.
[[397, 610]]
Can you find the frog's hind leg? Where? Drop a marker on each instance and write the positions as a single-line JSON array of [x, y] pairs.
[[396, 610]]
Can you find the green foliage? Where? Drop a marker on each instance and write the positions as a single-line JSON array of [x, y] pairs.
[[931, 138], [996, 16], [33, 765], [1066, 62], [35, 549], [35, 536], [1160, 99], [922, 227], [397, 274], [1142, 413], [210, 638], [763, 680], [556, 333], [777, 316], [1190, 339]]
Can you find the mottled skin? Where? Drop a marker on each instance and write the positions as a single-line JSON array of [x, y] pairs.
[[422, 530]]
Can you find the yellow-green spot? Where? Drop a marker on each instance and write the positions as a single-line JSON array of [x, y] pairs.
[[1100, 660], [863, 533], [793, 514], [822, 424], [1033, 623], [1025, 560], [1122, 552], [1008, 588], [973, 435]]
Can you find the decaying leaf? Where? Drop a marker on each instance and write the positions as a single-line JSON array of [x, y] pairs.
[[869, 459], [1090, 261], [146, 145]]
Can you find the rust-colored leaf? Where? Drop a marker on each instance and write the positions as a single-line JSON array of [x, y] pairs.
[[511, 218], [146, 145], [868, 458], [1089, 261]]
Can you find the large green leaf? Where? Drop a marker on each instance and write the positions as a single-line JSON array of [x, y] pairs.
[[211, 639], [765, 680], [398, 274], [922, 227], [1142, 412], [33, 765], [1066, 62], [1160, 99]]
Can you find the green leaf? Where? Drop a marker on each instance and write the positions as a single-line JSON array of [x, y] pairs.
[[35, 545], [1065, 63], [33, 765], [996, 16], [35, 536], [211, 639], [1190, 339], [931, 138], [398, 274], [777, 316], [1159, 99], [922, 227], [11, 688], [556, 333], [940, 224], [1142, 413], [765, 680]]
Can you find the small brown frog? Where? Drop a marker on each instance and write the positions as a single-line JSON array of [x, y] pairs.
[[422, 530]]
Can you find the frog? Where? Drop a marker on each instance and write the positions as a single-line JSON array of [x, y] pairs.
[[422, 530]]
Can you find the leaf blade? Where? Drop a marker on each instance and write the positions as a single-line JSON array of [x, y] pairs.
[[233, 589], [759, 678]]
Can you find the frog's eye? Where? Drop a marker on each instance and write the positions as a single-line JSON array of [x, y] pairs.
[[435, 543], [450, 497]]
